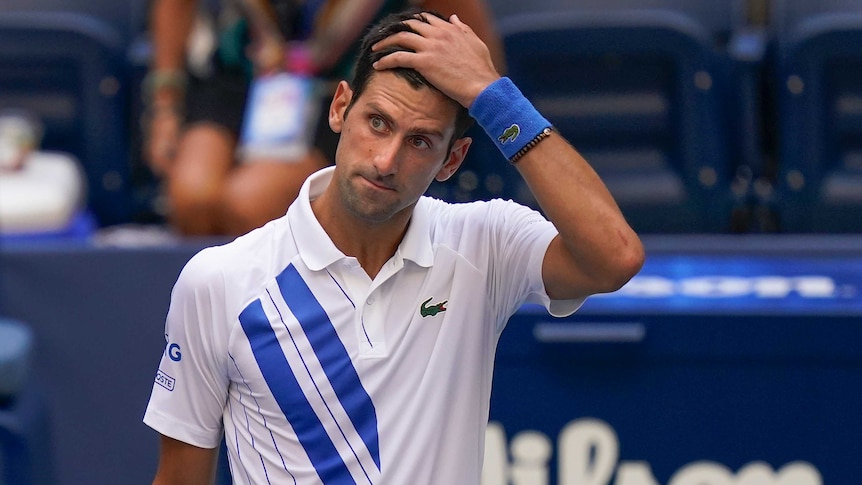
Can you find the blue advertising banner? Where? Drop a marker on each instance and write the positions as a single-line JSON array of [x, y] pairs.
[[697, 284], [705, 369]]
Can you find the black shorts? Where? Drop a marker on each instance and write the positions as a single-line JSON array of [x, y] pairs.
[[218, 99], [221, 99]]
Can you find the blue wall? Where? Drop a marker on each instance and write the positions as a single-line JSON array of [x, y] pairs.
[[676, 374]]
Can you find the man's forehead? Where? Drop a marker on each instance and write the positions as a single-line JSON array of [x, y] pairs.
[[387, 81], [388, 87]]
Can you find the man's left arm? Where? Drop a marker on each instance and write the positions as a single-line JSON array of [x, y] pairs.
[[596, 250]]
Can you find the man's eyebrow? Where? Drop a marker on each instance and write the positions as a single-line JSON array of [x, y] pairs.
[[418, 130], [427, 132], [380, 112]]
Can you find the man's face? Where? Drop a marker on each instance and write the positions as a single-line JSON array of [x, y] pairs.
[[394, 142]]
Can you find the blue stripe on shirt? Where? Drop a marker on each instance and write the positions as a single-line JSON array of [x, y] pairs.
[[333, 357], [288, 394]]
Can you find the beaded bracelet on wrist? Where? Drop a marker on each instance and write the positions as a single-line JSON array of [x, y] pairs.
[[156, 80], [532, 143]]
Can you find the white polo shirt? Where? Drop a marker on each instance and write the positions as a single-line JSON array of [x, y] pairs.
[[318, 374]]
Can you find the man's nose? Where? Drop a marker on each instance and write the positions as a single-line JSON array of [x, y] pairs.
[[386, 156]]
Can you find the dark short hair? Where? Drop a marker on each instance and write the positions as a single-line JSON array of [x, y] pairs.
[[364, 69]]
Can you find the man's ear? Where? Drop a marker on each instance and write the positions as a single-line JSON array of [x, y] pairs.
[[456, 158], [338, 107]]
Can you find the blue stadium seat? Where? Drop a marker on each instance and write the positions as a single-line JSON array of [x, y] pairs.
[[127, 17], [68, 69], [819, 85], [25, 452], [641, 90], [718, 18]]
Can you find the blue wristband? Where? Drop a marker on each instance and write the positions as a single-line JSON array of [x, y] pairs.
[[507, 117]]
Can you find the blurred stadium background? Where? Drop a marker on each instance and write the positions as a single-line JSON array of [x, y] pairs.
[[730, 132]]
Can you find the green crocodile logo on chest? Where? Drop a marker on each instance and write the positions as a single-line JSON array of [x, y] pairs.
[[430, 311]]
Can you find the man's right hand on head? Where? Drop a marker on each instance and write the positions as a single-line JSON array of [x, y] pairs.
[[447, 53]]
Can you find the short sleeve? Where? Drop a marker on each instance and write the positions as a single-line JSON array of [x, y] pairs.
[[521, 241], [191, 384]]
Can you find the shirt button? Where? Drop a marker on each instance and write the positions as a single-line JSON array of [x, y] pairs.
[[369, 301]]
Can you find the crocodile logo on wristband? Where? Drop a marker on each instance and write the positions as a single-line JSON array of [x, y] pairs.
[[509, 134]]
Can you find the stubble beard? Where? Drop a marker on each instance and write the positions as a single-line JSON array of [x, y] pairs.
[[361, 207]]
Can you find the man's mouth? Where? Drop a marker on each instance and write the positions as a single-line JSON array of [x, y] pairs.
[[378, 183]]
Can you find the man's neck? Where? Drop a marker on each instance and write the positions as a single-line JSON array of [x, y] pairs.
[[371, 244]]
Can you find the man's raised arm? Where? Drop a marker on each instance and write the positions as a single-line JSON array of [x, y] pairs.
[[596, 251]]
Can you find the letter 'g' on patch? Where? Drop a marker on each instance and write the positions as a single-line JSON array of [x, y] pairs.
[[165, 380], [174, 352]]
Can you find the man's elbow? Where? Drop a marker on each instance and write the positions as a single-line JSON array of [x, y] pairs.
[[624, 265]]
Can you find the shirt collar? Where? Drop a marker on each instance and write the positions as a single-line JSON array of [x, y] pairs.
[[318, 251], [416, 245], [315, 247]]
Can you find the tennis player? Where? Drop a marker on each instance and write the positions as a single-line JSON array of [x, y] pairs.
[[352, 341]]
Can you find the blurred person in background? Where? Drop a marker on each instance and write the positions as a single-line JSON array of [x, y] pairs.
[[197, 90]]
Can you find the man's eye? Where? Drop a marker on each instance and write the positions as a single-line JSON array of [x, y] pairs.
[[420, 143], [377, 123]]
